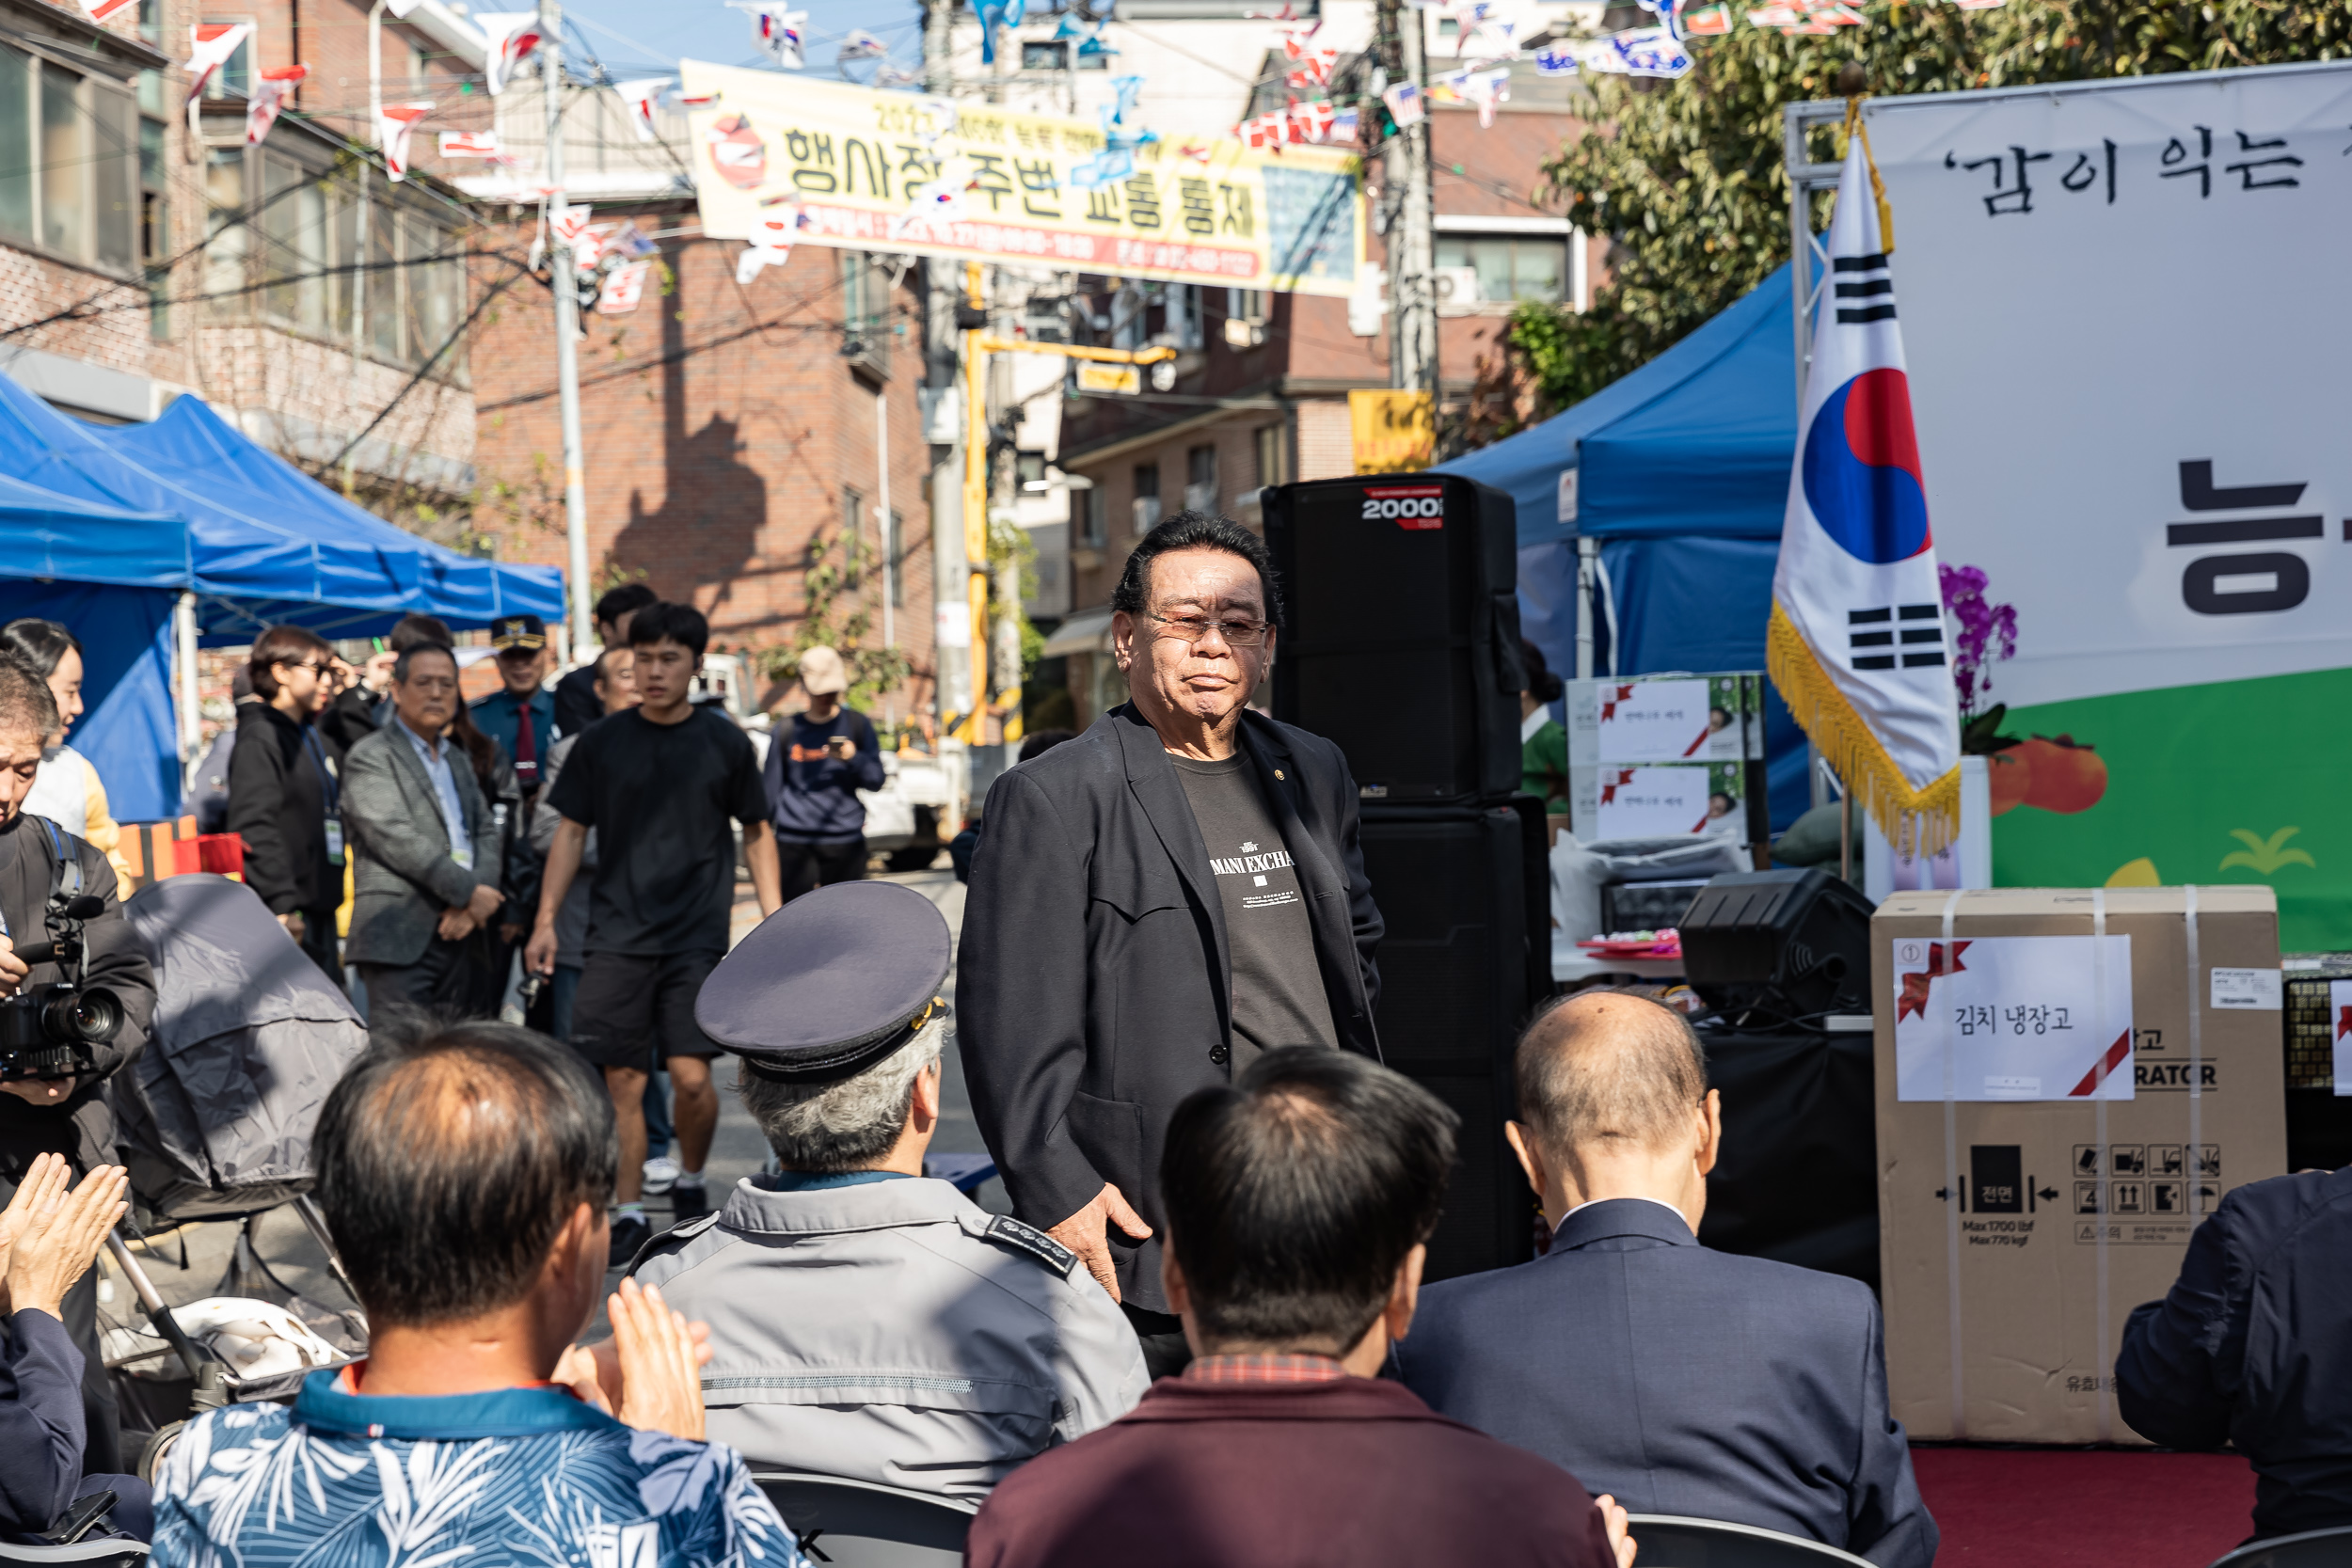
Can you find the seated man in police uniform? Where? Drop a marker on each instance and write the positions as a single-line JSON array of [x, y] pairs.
[[866, 1321]]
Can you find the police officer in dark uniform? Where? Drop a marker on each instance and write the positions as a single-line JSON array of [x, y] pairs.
[[866, 1321]]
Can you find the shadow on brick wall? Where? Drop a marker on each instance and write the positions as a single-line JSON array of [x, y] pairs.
[[707, 528]]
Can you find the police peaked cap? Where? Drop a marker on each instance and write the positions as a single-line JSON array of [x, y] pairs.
[[830, 983]]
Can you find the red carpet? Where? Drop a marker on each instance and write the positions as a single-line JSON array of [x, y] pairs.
[[2084, 1508]]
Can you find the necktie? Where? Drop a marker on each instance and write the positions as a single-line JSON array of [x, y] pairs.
[[526, 750]]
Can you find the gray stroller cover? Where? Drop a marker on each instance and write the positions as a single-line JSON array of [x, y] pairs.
[[214, 1114]]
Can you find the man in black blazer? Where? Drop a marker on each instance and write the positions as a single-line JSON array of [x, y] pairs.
[[2249, 1348], [1153, 906], [1682, 1380]]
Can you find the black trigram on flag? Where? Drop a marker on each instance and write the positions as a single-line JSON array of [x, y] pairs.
[[1911, 636], [1863, 279]]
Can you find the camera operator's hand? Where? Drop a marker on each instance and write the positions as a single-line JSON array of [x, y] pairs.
[[41, 1091], [12, 969], [63, 1240]]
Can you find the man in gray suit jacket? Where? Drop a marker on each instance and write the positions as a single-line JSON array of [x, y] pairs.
[[1680, 1379], [427, 872]]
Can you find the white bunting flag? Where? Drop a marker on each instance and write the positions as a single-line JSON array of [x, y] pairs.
[[210, 45], [643, 98], [755, 257], [269, 97], [392, 124], [101, 9], [624, 286], [783, 34], [1856, 641], [469, 144], [514, 38]]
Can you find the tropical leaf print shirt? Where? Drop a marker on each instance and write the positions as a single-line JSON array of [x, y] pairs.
[[516, 1476]]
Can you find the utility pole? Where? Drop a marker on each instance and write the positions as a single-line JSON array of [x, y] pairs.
[[1412, 244], [566, 328], [950, 565]]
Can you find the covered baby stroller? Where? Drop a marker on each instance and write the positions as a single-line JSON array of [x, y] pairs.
[[214, 1117]]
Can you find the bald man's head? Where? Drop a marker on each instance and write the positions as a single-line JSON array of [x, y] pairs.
[[1608, 1067]]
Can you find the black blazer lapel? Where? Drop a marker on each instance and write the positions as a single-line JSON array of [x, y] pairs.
[[1152, 779], [1327, 892]]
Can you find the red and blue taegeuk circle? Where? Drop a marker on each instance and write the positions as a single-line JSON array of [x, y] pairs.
[[1862, 469]]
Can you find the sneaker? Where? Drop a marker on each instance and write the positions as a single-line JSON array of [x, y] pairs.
[[630, 1232], [661, 1174], [689, 1198]]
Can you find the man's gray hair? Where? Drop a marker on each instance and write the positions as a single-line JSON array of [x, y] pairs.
[[1606, 1066], [846, 1125], [27, 706]]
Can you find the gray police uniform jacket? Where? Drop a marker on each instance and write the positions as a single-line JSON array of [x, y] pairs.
[[895, 1332]]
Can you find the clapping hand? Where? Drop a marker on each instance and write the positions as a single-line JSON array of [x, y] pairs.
[[52, 1237], [648, 1375]]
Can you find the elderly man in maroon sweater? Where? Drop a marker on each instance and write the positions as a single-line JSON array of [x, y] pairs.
[[1297, 1202]]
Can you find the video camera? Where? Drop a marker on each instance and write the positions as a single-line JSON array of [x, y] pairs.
[[47, 1031]]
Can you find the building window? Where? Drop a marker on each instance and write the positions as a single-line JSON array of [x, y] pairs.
[[235, 79], [894, 559], [1044, 54], [1147, 503], [155, 224], [1273, 453], [69, 150], [866, 312], [1510, 266], [1201, 478], [1091, 509]]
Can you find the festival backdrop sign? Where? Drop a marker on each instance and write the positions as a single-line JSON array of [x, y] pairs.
[[2121, 302], [900, 171]]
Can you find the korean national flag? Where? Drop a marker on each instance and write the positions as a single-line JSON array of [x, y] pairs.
[[1858, 643]]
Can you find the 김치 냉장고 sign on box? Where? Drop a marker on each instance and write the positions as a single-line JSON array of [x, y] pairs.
[[2013, 1018], [904, 172]]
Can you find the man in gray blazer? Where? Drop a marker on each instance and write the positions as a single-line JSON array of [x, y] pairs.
[[427, 872]]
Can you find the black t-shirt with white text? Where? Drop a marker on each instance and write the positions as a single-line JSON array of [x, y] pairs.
[[661, 797], [1278, 997]]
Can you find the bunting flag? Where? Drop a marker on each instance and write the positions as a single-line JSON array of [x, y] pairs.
[[1856, 637], [469, 144], [643, 98], [514, 38], [771, 244], [1103, 169], [1405, 103], [1555, 59], [1706, 21], [1482, 89], [995, 14], [269, 98], [210, 45], [862, 45], [393, 122], [624, 286], [101, 9], [782, 34]]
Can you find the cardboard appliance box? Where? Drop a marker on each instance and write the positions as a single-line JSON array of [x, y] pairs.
[[2037, 1128]]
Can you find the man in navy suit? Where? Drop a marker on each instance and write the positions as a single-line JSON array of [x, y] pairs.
[[1684, 1381]]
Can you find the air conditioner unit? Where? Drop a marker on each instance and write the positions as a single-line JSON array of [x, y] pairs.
[[1242, 333], [1457, 289]]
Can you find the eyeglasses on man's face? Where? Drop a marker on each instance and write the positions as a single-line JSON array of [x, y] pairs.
[[1237, 632]]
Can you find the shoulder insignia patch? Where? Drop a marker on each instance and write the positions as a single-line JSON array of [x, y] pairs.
[[1010, 1232], [663, 1240]]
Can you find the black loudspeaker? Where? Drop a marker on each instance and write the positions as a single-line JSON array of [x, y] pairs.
[[1789, 944], [1465, 894], [1402, 641]]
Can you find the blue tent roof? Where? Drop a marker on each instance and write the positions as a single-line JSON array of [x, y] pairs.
[[55, 537], [1696, 443], [263, 542]]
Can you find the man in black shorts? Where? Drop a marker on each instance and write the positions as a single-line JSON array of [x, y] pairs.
[[659, 783]]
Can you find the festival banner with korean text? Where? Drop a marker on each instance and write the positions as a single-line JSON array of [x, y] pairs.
[[898, 171], [2120, 304]]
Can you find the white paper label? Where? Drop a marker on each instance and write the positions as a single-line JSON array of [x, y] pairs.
[[2340, 1031], [2013, 1018], [1652, 802], [2247, 989], [1567, 494], [955, 625]]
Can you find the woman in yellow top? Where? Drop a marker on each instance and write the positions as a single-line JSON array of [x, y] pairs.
[[66, 790]]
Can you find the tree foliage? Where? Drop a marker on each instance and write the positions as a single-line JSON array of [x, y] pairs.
[[1687, 179]]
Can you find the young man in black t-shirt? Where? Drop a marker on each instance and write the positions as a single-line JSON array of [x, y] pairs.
[[659, 783]]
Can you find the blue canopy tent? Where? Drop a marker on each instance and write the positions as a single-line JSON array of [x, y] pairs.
[[113, 577], [253, 539], [1683, 477]]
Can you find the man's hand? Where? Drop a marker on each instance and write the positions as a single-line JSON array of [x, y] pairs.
[[456, 924], [12, 969], [661, 1387], [44, 1179], [293, 923], [41, 1091], [840, 748], [593, 1372], [63, 1240], [539, 953], [1086, 1233], [485, 902], [378, 676], [1613, 1520]]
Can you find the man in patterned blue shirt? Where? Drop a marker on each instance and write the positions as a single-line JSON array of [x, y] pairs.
[[463, 1172]]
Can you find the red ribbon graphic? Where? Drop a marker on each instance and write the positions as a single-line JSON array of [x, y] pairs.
[[1915, 983], [2117, 1055]]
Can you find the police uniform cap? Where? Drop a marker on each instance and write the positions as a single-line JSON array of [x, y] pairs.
[[830, 983]]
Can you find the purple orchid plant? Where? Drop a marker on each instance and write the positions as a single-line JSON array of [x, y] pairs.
[[1988, 634]]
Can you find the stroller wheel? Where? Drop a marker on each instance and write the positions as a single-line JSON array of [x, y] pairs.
[[158, 1444]]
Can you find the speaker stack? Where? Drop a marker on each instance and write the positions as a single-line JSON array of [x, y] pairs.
[[1401, 643]]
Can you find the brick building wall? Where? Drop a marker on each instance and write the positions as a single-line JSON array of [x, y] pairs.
[[725, 431]]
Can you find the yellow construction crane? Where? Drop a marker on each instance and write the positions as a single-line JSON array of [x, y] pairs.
[[978, 345]]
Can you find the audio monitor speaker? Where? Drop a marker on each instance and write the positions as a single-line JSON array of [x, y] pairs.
[[1465, 894], [1401, 642], [1794, 943]]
